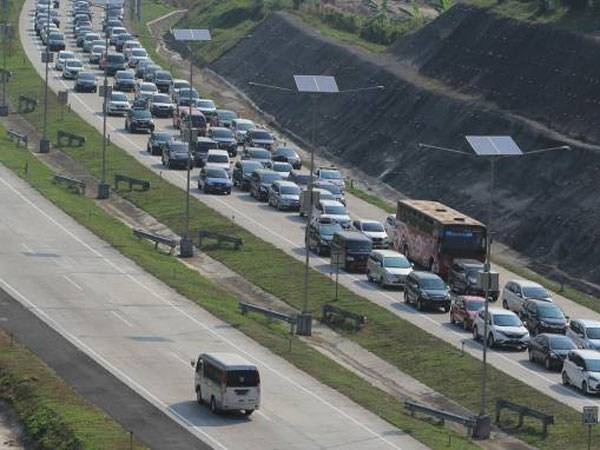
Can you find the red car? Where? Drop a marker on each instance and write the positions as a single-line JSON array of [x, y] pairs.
[[464, 309]]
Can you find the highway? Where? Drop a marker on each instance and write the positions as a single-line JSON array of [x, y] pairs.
[[286, 230]]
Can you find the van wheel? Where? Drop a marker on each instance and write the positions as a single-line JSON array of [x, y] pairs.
[[213, 406], [466, 325], [248, 412], [199, 395], [406, 300], [490, 341], [369, 277]]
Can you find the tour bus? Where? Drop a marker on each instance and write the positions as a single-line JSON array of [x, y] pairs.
[[432, 235], [227, 382]]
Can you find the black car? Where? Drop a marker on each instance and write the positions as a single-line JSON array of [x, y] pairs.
[[320, 235], [139, 119], [242, 170], [223, 118], [200, 150], [225, 139], [56, 42], [260, 181], [462, 278], [256, 137], [161, 105], [426, 289], [86, 82], [550, 349], [540, 316], [258, 154], [124, 81], [176, 155], [286, 154], [163, 80], [158, 141], [114, 63]]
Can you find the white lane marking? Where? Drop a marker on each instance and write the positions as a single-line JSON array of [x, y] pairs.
[[77, 342], [72, 282], [259, 412], [122, 319], [179, 358], [26, 247], [198, 322]]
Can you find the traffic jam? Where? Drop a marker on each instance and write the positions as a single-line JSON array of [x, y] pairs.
[[431, 252]]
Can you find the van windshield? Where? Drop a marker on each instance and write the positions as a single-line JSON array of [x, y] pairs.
[[243, 378], [359, 246]]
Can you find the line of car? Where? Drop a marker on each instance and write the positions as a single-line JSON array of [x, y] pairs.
[[272, 173]]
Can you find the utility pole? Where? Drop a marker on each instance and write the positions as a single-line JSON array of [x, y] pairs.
[[44, 142]]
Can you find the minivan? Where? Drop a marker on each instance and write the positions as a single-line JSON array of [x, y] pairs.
[[227, 382], [350, 251], [581, 369], [426, 289], [388, 268]]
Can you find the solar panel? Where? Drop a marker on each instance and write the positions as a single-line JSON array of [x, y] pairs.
[[315, 83], [108, 2], [191, 35], [493, 145]]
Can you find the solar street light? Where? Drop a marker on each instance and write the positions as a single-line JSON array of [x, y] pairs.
[[186, 245]]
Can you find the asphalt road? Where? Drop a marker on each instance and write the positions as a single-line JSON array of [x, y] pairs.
[[286, 231]]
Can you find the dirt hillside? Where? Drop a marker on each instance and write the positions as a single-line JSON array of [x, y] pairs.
[[541, 200]]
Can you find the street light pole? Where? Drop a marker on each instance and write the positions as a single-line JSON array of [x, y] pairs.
[[310, 202], [4, 106], [103, 186], [44, 142]]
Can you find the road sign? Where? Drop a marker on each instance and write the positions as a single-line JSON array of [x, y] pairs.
[[63, 97], [49, 55], [590, 415]]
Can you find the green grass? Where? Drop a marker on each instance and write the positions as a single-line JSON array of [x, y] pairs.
[[151, 9], [51, 412], [418, 353], [374, 200]]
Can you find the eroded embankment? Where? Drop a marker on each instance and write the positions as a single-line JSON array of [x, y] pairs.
[[541, 201]]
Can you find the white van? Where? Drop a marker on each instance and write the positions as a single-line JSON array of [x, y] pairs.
[[226, 382], [218, 158]]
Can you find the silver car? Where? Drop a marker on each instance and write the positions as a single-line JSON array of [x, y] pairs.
[[516, 291], [585, 333], [388, 268]]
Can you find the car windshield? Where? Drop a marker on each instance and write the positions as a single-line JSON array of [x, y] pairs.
[[74, 63], [433, 283], [185, 93], [396, 262], [268, 178], [56, 36], [118, 97], [115, 58], [217, 158], [330, 228], [142, 113], [373, 227], [216, 173], [550, 312], [242, 378], [179, 148], [475, 305], [86, 76], [593, 332], [281, 167], [98, 49], [222, 134], [290, 190], [161, 98], [148, 87], [66, 55], [261, 135], [250, 167], [162, 136], [227, 115], [359, 245], [334, 209], [506, 320], [333, 188], [126, 76], [592, 365], [180, 84], [561, 343], [284, 151], [163, 76], [535, 292], [206, 104], [138, 52], [244, 126], [301, 178], [330, 175]]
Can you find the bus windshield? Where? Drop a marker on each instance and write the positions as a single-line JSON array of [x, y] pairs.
[[461, 239], [242, 378]]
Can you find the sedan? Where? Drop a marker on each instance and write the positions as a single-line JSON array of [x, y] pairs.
[[289, 155], [86, 82], [96, 53], [374, 230], [550, 349], [72, 68], [224, 139], [464, 309], [161, 105], [63, 56], [117, 104], [214, 180], [158, 141]]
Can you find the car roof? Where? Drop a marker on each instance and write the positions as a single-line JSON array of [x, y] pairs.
[[589, 323], [232, 361], [501, 311], [261, 172], [368, 221], [238, 120], [387, 253], [422, 274], [537, 301], [467, 262], [588, 354], [215, 151], [353, 235], [220, 129], [471, 298], [525, 283], [330, 203], [285, 183]]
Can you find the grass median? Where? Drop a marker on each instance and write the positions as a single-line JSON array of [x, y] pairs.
[[414, 351]]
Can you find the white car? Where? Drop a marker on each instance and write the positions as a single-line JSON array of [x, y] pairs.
[[137, 55], [206, 106], [218, 158], [130, 45], [584, 333], [504, 329], [177, 85], [332, 175], [333, 210], [374, 230], [581, 369], [146, 89], [516, 291], [71, 69], [388, 268], [240, 128], [96, 53], [117, 104], [63, 55]]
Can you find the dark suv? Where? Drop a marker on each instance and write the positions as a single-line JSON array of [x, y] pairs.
[[426, 289], [462, 278], [224, 138], [114, 63], [260, 181], [124, 81], [320, 235], [163, 80], [158, 142], [175, 155], [540, 316], [242, 172], [139, 119]]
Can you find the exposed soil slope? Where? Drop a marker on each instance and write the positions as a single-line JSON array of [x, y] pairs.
[[541, 200]]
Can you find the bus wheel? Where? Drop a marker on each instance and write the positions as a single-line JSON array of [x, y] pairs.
[[247, 412]]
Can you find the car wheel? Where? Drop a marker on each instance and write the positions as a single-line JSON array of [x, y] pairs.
[[248, 412], [452, 319], [547, 363], [199, 395], [213, 406], [504, 303], [206, 189], [406, 300], [475, 334], [584, 388], [419, 305], [466, 325], [490, 341], [530, 355], [369, 277]]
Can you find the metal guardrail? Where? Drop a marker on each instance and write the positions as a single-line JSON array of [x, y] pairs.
[[442, 416], [26, 104], [143, 184], [523, 411], [219, 237], [330, 312], [18, 138], [156, 238], [72, 183], [72, 139], [250, 307]]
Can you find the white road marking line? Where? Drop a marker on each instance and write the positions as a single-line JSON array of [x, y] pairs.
[[26, 247], [72, 282], [122, 319], [259, 412], [179, 358]]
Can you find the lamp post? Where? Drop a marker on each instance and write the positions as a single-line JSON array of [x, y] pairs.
[[5, 76], [313, 85], [186, 245], [492, 148], [44, 142]]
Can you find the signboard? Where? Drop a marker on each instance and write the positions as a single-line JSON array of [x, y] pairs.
[[108, 91], [590, 415], [49, 55], [63, 97]]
